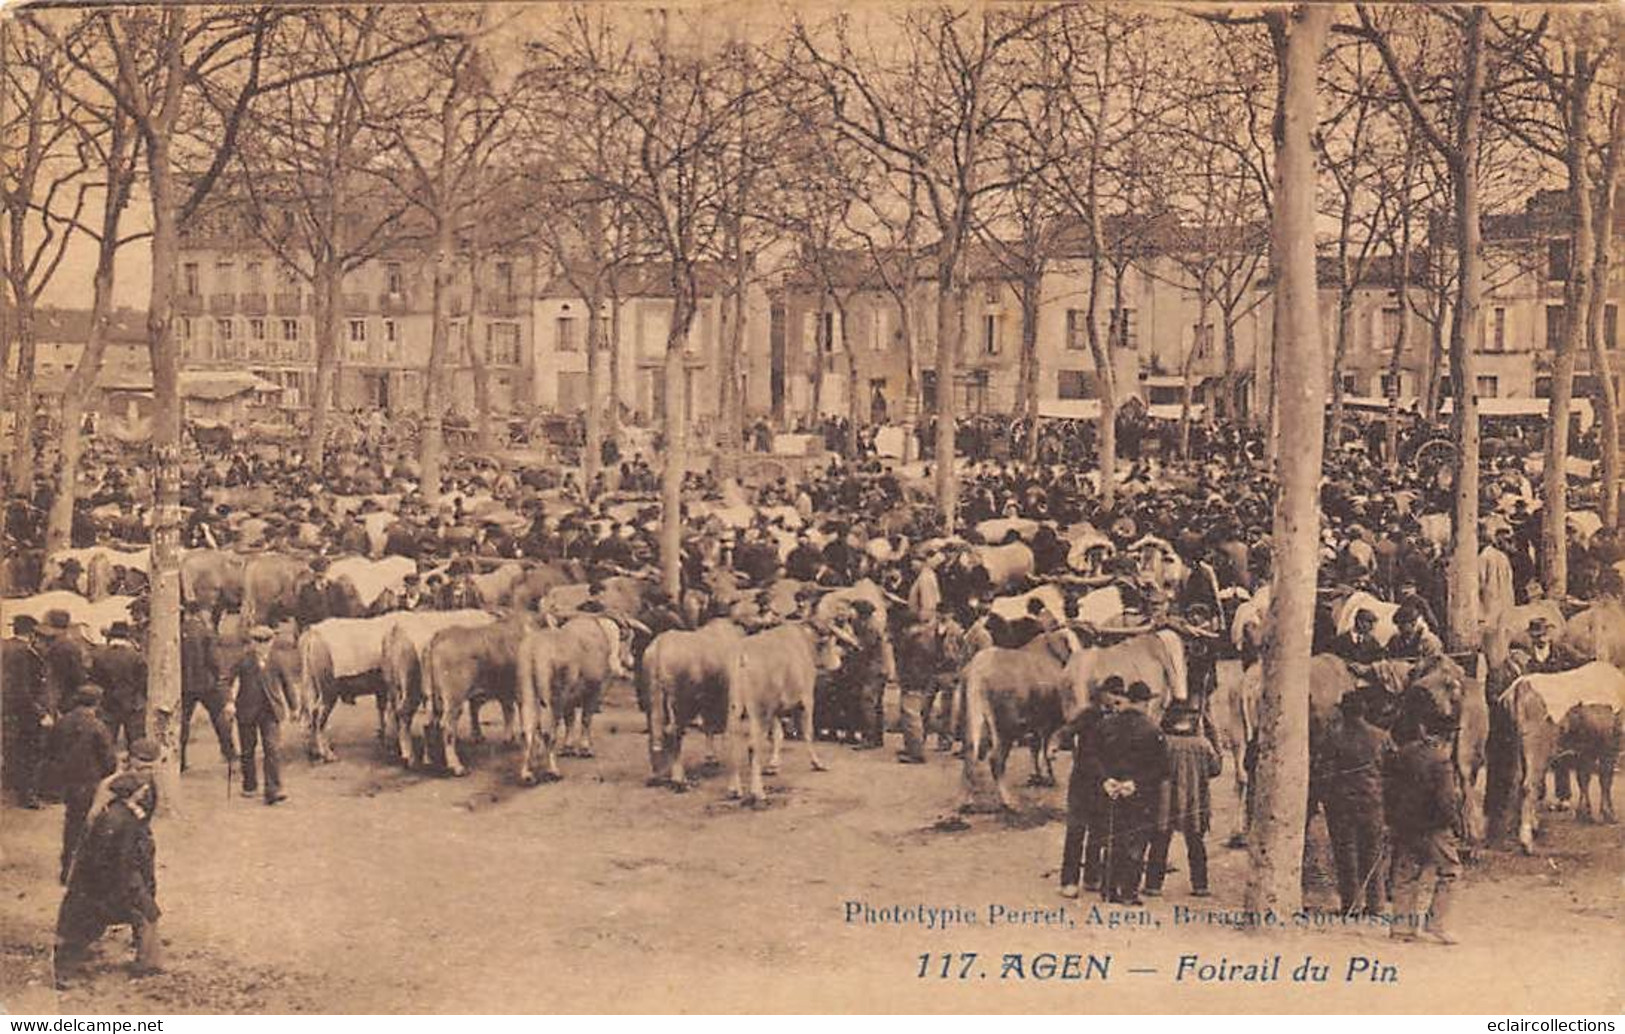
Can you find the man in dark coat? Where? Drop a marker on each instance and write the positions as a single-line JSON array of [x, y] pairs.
[[1423, 809], [121, 671], [25, 713], [1133, 761], [1183, 802], [200, 680], [924, 656], [1350, 780], [1545, 656], [81, 755], [1085, 845], [1359, 645], [66, 656], [114, 881], [260, 697]]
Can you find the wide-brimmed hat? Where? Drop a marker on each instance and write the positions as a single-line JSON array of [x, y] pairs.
[[56, 621], [118, 630], [1139, 692], [88, 693]]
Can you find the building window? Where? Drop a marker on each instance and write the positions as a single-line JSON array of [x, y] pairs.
[[256, 329], [1071, 384], [1390, 385], [254, 277], [393, 282], [1556, 323], [358, 332], [392, 341], [287, 278], [826, 332], [1202, 340], [1557, 260], [290, 330], [990, 334], [565, 335], [502, 344], [1498, 331], [1122, 332], [189, 279], [505, 280], [225, 329], [1488, 386], [184, 324], [225, 274], [1610, 326], [1349, 387], [1077, 330]]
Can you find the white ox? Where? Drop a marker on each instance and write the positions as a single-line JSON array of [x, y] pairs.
[[372, 578], [94, 618]]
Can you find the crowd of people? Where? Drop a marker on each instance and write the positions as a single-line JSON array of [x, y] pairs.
[[1136, 779]]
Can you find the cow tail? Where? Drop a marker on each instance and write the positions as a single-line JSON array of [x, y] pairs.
[[310, 688], [432, 708]]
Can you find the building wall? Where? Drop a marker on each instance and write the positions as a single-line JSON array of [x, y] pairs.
[[238, 308]]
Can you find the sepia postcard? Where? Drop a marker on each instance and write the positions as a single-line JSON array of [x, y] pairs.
[[958, 508]]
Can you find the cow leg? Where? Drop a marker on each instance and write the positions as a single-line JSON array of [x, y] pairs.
[[807, 713], [1238, 767], [738, 736], [475, 733], [1605, 787], [405, 713], [710, 745], [509, 734], [321, 750], [561, 735], [1036, 748], [775, 736], [1582, 776], [1000, 762], [381, 700], [758, 792], [448, 738], [588, 708]]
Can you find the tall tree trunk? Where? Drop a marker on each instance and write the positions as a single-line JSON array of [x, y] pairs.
[[1031, 296], [1463, 596], [25, 401], [613, 428], [911, 375], [1402, 337], [1280, 801], [78, 393], [1104, 354], [855, 416], [164, 628], [1601, 361], [1186, 369], [592, 455], [329, 298], [676, 435], [1340, 347], [730, 414], [1554, 556], [476, 353], [431, 444], [950, 307]]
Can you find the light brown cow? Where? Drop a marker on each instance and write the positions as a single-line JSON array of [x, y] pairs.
[[772, 674]]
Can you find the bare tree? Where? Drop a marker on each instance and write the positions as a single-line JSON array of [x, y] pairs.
[[1279, 803], [1457, 144], [112, 146], [929, 116], [43, 192]]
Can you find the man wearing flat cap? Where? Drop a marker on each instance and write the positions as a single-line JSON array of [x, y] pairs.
[[260, 697], [81, 755]]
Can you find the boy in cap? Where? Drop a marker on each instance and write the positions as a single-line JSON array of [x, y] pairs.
[[260, 698], [1423, 807], [113, 881], [1183, 803], [81, 751]]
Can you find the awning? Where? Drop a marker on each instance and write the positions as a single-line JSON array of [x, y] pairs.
[[1070, 409], [1174, 380], [1173, 411], [1374, 404], [1527, 408]]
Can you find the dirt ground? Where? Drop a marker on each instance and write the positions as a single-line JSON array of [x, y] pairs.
[[378, 890]]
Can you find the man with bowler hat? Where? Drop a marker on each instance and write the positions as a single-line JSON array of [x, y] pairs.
[[261, 698]]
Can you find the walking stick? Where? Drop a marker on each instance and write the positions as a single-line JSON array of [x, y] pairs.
[[1111, 849]]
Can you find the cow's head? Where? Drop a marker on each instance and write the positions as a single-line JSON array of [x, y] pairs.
[[829, 639]]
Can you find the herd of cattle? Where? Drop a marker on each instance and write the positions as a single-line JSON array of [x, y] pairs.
[[543, 645]]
